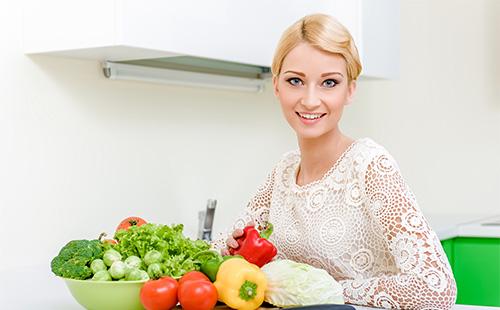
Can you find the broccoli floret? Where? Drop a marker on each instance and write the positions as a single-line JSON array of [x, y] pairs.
[[73, 261]]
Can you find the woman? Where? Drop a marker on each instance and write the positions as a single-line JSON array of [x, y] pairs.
[[342, 204]]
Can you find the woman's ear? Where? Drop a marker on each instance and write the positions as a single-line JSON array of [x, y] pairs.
[[351, 91], [275, 85]]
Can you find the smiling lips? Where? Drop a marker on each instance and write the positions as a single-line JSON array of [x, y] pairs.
[[310, 118]]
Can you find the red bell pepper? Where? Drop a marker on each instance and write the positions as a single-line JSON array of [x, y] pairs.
[[254, 246]]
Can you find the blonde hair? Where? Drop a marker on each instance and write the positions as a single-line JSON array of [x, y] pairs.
[[323, 32]]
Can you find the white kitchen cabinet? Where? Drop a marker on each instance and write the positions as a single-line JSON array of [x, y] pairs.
[[236, 31]]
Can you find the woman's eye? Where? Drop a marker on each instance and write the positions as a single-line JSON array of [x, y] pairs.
[[330, 83], [294, 81]]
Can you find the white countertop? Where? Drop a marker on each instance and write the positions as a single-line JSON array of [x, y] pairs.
[[38, 288], [449, 226]]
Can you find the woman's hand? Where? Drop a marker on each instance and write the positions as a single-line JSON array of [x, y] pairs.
[[231, 241]]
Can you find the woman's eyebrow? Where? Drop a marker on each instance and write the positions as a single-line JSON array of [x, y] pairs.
[[322, 75], [330, 73], [296, 72]]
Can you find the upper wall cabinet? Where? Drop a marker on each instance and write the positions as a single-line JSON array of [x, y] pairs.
[[232, 31]]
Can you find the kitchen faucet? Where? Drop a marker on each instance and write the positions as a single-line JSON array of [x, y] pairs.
[[206, 220]]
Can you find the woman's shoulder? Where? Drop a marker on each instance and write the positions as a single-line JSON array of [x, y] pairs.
[[369, 146], [289, 158], [291, 155], [287, 161], [368, 151]]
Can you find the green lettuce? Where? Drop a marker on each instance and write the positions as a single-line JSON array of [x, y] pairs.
[[176, 249]]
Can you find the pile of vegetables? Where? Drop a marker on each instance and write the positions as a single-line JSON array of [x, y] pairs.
[[139, 251], [176, 269]]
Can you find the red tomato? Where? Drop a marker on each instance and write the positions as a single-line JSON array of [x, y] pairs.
[[193, 275], [197, 295], [159, 294], [130, 221]]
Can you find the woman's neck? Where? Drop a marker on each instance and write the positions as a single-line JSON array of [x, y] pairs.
[[318, 155]]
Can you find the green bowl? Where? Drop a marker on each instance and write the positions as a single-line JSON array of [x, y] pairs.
[[106, 295]]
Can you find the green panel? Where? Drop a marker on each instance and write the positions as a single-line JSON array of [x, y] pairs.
[[448, 247], [477, 270]]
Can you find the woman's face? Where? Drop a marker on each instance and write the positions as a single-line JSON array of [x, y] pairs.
[[313, 89]]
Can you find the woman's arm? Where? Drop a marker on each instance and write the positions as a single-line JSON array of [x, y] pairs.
[[257, 211], [425, 280]]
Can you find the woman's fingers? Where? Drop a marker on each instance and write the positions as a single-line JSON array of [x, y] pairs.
[[224, 252], [237, 233], [232, 243]]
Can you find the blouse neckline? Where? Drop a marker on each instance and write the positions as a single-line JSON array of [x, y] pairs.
[[327, 173]]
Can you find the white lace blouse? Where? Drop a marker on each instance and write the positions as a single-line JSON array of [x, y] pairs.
[[362, 224]]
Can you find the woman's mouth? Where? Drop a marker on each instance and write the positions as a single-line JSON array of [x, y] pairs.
[[310, 118]]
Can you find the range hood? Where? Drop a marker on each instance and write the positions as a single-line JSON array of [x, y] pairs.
[[191, 71], [226, 44]]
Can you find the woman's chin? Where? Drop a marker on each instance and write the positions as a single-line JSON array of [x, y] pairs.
[[310, 134]]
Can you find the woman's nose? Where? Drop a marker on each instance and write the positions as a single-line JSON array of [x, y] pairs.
[[311, 99]]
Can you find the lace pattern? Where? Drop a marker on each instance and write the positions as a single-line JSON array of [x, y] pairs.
[[362, 224]]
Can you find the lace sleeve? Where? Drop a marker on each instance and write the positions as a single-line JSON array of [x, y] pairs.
[[425, 279], [257, 211]]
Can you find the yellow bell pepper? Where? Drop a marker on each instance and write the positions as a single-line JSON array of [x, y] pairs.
[[240, 284]]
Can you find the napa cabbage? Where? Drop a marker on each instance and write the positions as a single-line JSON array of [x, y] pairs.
[[297, 284]]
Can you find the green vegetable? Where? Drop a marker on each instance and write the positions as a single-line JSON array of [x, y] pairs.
[[211, 262], [211, 266], [111, 256], [118, 270], [155, 271], [73, 260], [133, 262], [97, 265], [152, 257], [102, 275], [295, 284], [137, 275], [176, 250]]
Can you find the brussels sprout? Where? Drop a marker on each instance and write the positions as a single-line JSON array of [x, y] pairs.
[[111, 256], [155, 271], [133, 262], [152, 257], [102, 275], [118, 270], [97, 265], [137, 275]]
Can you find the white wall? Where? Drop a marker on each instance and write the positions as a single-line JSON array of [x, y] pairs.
[[78, 152], [441, 119]]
